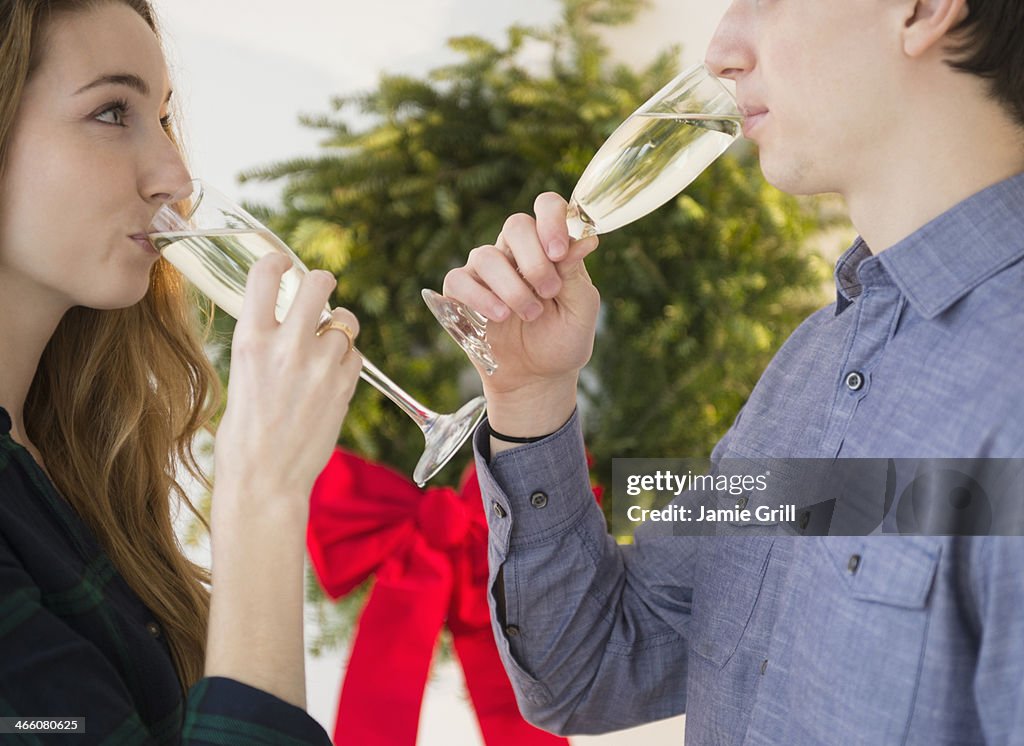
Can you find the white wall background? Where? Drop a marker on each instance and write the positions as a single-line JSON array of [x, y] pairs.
[[243, 70]]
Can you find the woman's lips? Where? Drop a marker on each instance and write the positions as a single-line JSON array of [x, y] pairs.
[[143, 240]]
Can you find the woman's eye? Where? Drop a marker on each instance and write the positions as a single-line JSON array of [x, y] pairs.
[[113, 115]]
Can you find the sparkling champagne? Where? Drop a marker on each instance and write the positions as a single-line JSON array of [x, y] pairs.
[[215, 243], [218, 262], [646, 162]]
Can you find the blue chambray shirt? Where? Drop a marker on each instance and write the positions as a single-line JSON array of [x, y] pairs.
[[799, 640]]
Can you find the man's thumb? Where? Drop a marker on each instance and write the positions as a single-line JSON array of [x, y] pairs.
[[571, 268]]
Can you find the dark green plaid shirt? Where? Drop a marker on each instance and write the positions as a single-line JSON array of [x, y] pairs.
[[75, 640]]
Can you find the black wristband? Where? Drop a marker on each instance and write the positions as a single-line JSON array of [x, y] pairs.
[[513, 438]]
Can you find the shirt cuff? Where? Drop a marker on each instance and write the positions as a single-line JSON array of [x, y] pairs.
[[536, 491], [221, 709]]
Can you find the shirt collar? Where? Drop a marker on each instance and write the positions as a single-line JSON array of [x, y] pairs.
[[848, 284], [941, 262]]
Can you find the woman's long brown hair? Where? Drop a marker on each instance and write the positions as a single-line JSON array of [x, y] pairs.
[[119, 397]]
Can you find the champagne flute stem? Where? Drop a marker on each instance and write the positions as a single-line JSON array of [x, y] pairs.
[[376, 378], [580, 224]]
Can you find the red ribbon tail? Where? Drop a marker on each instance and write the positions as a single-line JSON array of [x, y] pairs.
[[501, 723], [387, 672]]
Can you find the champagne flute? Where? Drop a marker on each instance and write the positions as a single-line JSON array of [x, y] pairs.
[[652, 156], [214, 243]]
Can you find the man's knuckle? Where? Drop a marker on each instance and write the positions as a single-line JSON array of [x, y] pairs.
[[548, 198], [517, 222], [521, 297], [534, 271], [451, 280]]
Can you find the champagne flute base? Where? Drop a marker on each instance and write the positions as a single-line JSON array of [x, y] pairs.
[[466, 327], [445, 434]]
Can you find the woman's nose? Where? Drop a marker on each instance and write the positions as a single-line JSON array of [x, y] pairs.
[[166, 174]]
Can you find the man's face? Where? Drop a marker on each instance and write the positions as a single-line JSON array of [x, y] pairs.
[[820, 82]]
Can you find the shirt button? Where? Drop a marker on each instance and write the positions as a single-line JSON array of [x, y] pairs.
[[853, 564], [538, 499], [854, 380], [153, 628], [499, 510], [512, 630], [741, 503], [764, 666]]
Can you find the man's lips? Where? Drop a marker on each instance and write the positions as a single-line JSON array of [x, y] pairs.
[[752, 117]]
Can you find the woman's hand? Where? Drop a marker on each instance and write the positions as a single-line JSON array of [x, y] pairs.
[[288, 391], [287, 396], [541, 307]]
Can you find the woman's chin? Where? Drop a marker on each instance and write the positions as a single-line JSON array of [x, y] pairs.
[[126, 298]]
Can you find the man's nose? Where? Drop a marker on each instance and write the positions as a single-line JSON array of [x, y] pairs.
[[730, 53]]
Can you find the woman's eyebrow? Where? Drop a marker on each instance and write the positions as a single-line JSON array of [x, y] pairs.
[[131, 80], [126, 79]]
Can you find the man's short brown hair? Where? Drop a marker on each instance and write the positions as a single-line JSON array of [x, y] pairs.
[[990, 44]]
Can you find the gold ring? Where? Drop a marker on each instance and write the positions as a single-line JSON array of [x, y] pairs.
[[341, 326]]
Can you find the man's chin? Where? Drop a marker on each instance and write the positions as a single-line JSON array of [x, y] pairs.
[[793, 176]]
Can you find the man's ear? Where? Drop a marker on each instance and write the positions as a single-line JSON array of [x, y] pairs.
[[930, 21]]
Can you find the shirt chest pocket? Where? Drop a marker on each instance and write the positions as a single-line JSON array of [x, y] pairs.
[[854, 634]]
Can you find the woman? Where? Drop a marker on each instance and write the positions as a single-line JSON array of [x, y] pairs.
[[103, 385]]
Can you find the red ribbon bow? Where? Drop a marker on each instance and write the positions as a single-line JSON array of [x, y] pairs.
[[428, 549]]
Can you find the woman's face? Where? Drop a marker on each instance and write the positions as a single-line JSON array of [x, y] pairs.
[[89, 164]]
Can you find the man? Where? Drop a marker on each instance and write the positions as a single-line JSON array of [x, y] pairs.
[[913, 111]]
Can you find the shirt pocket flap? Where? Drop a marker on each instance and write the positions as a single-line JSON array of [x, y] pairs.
[[898, 571]]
